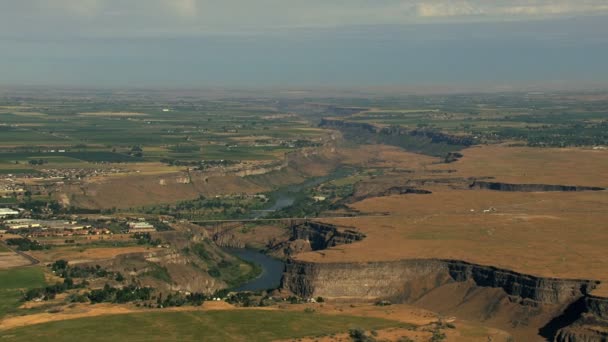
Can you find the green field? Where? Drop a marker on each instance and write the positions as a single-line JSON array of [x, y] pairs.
[[13, 281], [229, 325]]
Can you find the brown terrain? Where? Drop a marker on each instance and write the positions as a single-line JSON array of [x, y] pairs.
[[505, 249], [12, 259], [153, 187], [77, 255], [524, 261]]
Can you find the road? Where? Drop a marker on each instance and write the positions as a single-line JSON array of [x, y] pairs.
[[287, 219], [33, 260]]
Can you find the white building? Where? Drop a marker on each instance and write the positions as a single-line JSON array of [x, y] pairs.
[[7, 212], [141, 227]]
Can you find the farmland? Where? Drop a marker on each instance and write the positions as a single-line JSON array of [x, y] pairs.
[[506, 185], [13, 282], [222, 325]]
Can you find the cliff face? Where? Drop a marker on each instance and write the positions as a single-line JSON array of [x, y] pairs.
[[538, 289], [529, 187], [434, 136], [598, 306], [588, 324], [322, 236], [358, 280], [578, 335], [376, 280], [582, 317]]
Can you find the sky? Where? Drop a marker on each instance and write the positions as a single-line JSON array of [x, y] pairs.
[[283, 43]]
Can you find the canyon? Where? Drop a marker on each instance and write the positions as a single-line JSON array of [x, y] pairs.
[[529, 306]]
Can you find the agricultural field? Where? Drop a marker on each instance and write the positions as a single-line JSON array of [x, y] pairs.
[[13, 282], [225, 325], [509, 181]]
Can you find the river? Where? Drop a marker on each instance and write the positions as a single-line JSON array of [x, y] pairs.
[[272, 269], [287, 195]]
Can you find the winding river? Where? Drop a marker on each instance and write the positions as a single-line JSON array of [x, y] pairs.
[[272, 269]]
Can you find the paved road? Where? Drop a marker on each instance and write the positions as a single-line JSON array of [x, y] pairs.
[[32, 260], [284, 219]]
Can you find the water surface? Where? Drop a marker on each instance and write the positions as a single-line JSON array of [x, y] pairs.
[[272, 269]]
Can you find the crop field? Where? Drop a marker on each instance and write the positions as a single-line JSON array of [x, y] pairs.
[[229, 325], [92, 132], [539, 120], [12, 282]]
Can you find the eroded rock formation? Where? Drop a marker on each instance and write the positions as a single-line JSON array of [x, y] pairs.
[[498, 186], [578, 315]]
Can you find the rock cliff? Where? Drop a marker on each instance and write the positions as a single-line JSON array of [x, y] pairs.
[[498, 186], [322, 235], [580, 316], [376, 280], [434, 136]]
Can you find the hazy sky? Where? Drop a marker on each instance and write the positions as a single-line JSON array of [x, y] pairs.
[[304, 42]]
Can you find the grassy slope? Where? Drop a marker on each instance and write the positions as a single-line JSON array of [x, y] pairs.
[[229, 325], [13, 281]]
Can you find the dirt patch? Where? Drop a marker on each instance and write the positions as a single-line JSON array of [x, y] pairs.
[[12, 259], [76, 255], [424, 319]]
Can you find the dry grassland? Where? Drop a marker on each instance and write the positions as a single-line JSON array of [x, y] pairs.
[[12, 259], [566, 166], [552, 234], [77, 255]]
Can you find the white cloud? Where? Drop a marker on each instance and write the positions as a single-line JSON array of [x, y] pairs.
[[191, 17], [447, 9], [512, 9], [185, 8]]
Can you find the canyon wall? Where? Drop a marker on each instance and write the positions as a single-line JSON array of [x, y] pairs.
[[379, 280], [434, 136], [323, 235], [578, 316], [498, 186]]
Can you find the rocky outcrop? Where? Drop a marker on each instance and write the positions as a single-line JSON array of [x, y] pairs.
[[369, 281], [498, 186], [584, 321], [538, 289], [584, 317], [434, 136], [452, 157], [227, 239], [312, 236], [324, 235], [598, 306], [376, 280], [395, 190], [333, 123], [573, 334]]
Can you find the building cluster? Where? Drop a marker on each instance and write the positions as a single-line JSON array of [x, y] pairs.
[[8, 212], [141, 227], [11, 183], [9, 188], [39, 228]]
